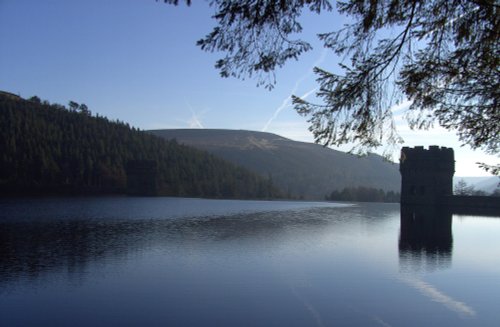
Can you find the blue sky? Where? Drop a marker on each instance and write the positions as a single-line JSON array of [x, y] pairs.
[[137, 61]]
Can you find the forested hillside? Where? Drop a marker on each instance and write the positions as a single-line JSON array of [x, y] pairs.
[[50, 149], [301, 169]]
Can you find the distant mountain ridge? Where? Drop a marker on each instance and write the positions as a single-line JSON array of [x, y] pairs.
[[302, 169]]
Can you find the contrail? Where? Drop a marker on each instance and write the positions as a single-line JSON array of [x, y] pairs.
[[286, 104], [287, 101], [194, 121], [309, 307], [438, 296], [381, 322], [401, 107], [308, 93]]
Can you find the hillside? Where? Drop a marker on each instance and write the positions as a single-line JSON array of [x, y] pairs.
[[302, 169], [50, 149]]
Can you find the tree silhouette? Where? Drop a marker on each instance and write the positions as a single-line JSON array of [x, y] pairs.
[[462, 188]]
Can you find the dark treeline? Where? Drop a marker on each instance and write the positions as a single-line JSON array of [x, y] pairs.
[[363, 194], [50, 149]]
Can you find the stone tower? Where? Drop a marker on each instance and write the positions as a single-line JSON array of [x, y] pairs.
[[426, 175]]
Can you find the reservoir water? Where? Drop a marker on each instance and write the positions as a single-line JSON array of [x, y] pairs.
[[121, 261]]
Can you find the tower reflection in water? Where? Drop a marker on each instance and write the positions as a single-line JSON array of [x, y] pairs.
[[425, 240]]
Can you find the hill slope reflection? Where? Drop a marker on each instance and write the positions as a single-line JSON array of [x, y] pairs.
[[30, 248]]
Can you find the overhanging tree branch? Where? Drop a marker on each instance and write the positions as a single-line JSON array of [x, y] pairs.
[[445, 60]]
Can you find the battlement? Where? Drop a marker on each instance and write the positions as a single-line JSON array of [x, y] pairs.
[[433, 150], [421, 159]]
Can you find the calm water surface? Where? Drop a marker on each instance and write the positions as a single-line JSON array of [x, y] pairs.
[[189, 262]]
